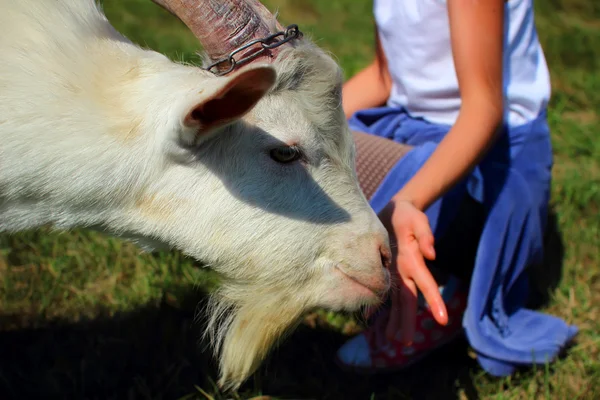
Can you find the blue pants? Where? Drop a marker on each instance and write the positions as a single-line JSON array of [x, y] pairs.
[[512, 184]]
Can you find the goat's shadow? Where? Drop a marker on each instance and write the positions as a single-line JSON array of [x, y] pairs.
[[154, 353]]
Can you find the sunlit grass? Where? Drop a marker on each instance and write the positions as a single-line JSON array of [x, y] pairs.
[[140, 340]]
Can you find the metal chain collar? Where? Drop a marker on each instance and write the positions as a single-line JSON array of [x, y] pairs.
[[266, 43]]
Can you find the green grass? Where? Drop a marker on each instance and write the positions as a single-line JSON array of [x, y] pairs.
[[87, 316]]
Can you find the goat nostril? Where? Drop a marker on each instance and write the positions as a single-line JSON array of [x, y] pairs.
[[386, 257]]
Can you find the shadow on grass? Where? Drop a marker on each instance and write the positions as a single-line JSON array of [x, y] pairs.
[[303, 368], [545, 277], [154, 353]]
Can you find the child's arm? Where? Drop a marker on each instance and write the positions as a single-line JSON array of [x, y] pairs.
[[477, 32], [368, 88]]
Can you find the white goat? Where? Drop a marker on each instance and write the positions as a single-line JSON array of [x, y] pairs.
[[251, 172]]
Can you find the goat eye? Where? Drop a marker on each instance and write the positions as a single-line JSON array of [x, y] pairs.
[[286, 154]]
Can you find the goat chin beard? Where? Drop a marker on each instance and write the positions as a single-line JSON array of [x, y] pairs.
[[244, 323]]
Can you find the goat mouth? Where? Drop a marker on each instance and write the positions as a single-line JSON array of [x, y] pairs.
[[375, 291]]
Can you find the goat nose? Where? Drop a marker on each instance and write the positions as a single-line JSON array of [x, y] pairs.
[[386, 256]]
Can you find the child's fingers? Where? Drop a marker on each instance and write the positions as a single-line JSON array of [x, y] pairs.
[[402, 316], [428, 286], [424, 236]]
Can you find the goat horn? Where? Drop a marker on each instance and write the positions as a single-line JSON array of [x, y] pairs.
[[222, 26]]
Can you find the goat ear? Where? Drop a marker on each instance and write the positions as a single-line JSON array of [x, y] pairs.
[[232, 99]]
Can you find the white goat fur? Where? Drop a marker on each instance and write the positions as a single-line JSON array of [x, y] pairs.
[[91, 135]]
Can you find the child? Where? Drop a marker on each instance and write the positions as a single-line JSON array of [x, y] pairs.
[[465, 84]]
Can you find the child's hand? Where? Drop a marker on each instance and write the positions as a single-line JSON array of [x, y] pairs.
[[411, 239]]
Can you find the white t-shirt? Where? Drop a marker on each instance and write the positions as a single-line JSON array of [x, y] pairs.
[[415, 37]]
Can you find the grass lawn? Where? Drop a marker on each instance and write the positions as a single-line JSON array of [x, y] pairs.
[[87, 316]]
